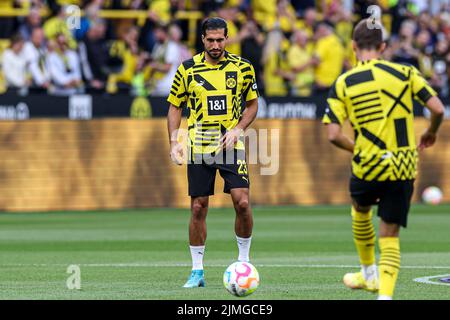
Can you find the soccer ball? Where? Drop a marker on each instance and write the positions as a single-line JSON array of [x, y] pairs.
[[432, 195], [241, 279]]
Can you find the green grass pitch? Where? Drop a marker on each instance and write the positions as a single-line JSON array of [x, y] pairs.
[[300, 253]]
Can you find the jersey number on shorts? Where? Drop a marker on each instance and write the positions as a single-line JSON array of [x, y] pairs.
[[242, 167]]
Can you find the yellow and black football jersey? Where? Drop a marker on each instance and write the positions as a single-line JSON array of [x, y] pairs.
[[214, 95], [377, 98]]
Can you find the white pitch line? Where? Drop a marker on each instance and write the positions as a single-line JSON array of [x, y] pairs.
[[175, 265], [427, 280]]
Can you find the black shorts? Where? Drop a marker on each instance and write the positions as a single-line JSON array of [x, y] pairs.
[[202, 174], [392, 197]]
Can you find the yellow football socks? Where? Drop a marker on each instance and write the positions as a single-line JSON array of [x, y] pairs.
[[364, 236], [389, 265]]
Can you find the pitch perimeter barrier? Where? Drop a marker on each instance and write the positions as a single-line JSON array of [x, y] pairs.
[[88, 106], [113, 163]]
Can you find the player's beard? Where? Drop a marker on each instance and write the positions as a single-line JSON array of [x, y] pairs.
[[215, 54]]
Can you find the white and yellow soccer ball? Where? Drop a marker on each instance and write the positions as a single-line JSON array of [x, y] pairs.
[[432, 195], [241, 279]]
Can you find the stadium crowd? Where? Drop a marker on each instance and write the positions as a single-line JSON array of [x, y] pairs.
[[297, 47]]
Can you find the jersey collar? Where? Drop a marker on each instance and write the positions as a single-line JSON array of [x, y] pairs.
[[367, 62], [221, 62]]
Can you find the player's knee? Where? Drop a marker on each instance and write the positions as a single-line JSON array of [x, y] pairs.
[[243, 205], [199, 209], [361, 209]]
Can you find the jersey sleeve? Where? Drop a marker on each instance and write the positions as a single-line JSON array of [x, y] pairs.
[[335, 111], [178, 92], [421, 90], [250, 87]]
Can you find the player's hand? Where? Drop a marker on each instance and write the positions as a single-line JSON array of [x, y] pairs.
[[230, 138], [426, 140], [176, 153]]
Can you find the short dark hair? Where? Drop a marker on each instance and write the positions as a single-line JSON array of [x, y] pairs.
[[368, 34], [214, 24]]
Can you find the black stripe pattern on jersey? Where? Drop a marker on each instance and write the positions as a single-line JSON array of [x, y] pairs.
[[358, 78], [391, 71], [368, 161], [373, 138], [397, 100], [424, 94], [188, 64], [207, 134], [401, 132], [332, 116], [200, 80], [363, 94], [372, 168], [404, 162]]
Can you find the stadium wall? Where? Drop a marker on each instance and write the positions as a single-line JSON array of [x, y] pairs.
[[119, 163]]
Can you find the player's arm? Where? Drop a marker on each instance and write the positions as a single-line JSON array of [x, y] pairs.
[[436, 107], [428, 97], [249, 114], [177, 97], [338, 138], [334, 117], [173, 124]]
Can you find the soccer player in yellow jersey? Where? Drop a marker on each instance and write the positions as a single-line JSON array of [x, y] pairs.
[[214, 85], [376, 96]]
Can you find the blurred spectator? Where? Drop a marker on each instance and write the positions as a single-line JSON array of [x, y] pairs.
[[309, 20], [165, 59], [57, 25], [400, 11], [7, 24], [91, 15], [285, 16], [275, 63], [403, 50], [301, 73], [14, 64], [229, 14], [158, 13], [93, 52], [328, 57], [64, 67], [301, 6], [441, 64], [264, 12], [36, 55], [32, 21], [125, 50], [252, 44]]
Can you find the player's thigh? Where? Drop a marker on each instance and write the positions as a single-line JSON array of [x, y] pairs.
[[235, 173], [364, 193], [395, 203], [201, 178]]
